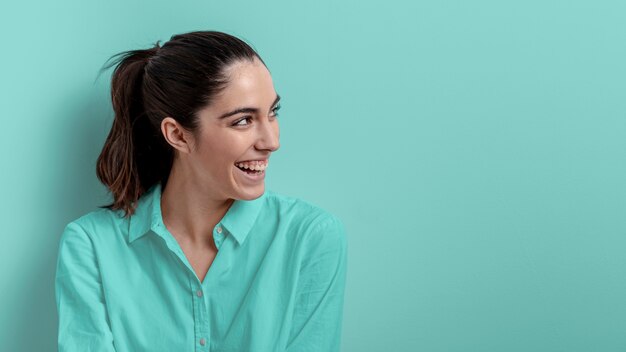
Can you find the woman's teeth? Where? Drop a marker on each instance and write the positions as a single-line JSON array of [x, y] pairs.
[[254, 165]]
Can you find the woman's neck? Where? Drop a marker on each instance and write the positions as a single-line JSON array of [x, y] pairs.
[[190, 212]]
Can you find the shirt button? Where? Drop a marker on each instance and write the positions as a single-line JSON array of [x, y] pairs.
[[219, 229], [199, 293], [202, 341]]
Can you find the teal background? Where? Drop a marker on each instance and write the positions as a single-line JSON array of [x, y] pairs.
[[474, 149]]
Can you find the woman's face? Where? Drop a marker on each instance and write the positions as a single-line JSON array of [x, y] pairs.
[[227, 137]]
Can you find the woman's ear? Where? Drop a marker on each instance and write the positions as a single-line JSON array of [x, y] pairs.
[[176, 135]]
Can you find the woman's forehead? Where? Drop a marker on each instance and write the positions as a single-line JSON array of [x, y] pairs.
[[250, 92], [248, 85]]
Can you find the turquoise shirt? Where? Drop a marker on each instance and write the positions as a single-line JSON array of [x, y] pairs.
[[276, 284]]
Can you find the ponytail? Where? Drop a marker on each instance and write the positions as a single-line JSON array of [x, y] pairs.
[[125, 160]]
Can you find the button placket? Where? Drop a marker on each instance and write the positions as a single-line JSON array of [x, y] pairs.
[[200, 317]]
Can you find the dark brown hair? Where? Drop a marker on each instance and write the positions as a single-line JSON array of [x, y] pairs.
[[177, 79]]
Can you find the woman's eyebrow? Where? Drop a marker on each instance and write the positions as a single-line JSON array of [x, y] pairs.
[[246, 109]]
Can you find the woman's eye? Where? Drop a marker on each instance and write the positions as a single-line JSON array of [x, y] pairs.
[[244, 119], [275, 110]]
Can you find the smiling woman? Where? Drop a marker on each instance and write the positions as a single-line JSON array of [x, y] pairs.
[[194, 253]]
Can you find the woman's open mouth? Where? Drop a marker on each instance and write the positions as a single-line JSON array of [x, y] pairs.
[[254, 170]]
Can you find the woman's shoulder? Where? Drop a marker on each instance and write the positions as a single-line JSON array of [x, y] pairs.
[[316, 230], [308, 215], [101, 220]]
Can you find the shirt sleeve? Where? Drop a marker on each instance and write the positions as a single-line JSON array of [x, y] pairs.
[[83, 320], [318, 312]]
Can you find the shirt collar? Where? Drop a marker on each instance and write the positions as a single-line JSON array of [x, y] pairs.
[[238, 220]]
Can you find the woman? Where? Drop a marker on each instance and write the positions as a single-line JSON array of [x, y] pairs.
[[194, 254]]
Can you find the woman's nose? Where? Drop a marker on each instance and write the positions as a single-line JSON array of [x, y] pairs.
[[269, 136]]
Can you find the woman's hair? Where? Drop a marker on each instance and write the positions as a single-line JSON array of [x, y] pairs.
[[177, 79]]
